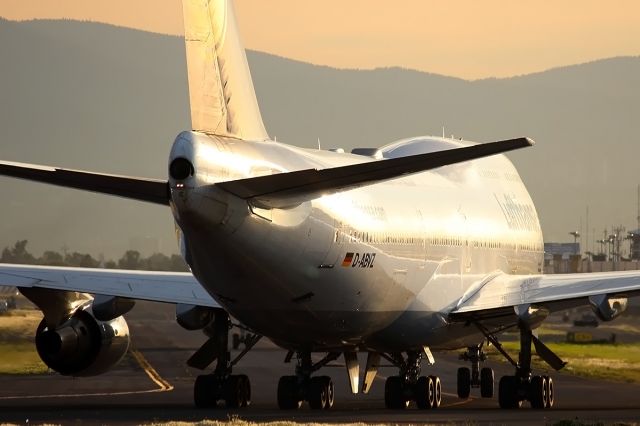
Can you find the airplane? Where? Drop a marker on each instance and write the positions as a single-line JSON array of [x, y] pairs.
[[424, 244]]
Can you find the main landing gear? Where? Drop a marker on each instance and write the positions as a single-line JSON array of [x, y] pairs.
[[523, 385], [409, 385], [318, 391], [475, 377], [221, 385], [513, 390]]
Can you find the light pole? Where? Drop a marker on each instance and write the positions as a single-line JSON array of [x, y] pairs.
[[576, 235]]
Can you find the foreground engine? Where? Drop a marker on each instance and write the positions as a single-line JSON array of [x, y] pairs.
[[80, 335], [83, 345]]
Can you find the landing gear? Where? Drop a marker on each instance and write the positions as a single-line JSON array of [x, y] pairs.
[[235, 391], [318, 391], [523, 385], [221, 385], [538, 390], [475, 377], [409, 386]]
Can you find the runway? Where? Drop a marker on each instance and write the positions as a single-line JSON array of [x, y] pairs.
[[156, 385]]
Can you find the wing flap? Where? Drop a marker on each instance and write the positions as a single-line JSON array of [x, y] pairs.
[[149, 190], [169, 287], [498, 296], [289, 189]]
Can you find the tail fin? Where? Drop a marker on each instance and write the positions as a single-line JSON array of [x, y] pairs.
[[222, 97]]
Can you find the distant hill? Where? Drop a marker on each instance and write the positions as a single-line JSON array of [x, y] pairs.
[[98, 97]]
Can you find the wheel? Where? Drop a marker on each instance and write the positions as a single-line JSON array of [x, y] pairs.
[[394, 394], [550, 392], [508, 392], [537, 392], [437, 388], [205, 391], [237, 392], [330, 392], [288, 395], [486, 383], [317, 393], [464, 382], [246, 386], [424, 393]]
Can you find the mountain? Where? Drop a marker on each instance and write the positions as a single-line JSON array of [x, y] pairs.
[[98, 97]]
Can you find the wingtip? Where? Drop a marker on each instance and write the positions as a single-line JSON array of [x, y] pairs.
[[530, 141]]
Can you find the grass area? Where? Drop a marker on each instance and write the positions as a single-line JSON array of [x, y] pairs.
[[17, 330], [619, 362]]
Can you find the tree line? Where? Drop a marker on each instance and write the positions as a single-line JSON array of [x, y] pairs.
[[131, 259]]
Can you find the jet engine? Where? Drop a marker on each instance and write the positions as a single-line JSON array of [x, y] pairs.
[[82, 345], [608, 307]]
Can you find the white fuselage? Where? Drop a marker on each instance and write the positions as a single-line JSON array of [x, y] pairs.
[[353, 268]]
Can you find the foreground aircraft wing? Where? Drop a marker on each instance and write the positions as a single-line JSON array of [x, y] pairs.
[[170, 287], [150, 190], [500, 298], [292, 188]]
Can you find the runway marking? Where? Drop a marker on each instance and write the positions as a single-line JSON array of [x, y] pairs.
[[163, 385]]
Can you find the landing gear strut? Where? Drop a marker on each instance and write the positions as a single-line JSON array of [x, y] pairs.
[[475, 378], [221, 385], [523, 385], [538, 390], [318, 391], [409, 386]]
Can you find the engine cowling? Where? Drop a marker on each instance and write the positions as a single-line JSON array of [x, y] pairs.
[[83, 345], [607, 307]]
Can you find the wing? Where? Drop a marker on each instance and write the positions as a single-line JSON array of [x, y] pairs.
[[168, 287], [290, 189], [499, 298]]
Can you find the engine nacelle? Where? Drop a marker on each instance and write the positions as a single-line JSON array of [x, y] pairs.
[[608, 307], [192, 317], [83, 345]]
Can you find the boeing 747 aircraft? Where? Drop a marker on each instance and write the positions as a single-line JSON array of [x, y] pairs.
[[421, 245]]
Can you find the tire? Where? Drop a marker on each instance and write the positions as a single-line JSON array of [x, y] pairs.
[[508, 393], [234, 392], [317, 393], [330, 392], [205, 391], [288, 395], [437, 387], [487, 383], [246, 387], [537, 392], [394, 394], [550, 392], [424, 393], [464, 382]]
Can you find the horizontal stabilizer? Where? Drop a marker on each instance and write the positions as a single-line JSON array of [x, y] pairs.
[[290, 189], [150, 190]]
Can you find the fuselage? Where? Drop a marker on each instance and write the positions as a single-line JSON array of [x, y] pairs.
[[358, 267]]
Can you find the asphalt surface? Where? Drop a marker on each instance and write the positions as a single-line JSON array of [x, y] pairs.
[[158, 386]]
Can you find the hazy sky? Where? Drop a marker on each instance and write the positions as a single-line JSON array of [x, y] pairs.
[[464, 38]]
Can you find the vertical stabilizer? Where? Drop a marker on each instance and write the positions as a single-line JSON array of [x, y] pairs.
[[222, 97]]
